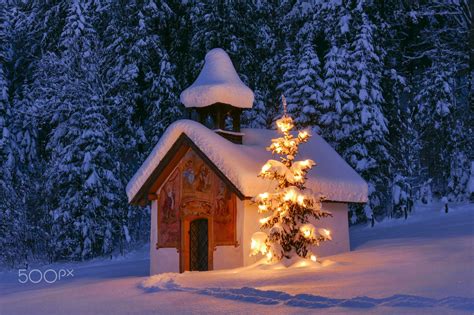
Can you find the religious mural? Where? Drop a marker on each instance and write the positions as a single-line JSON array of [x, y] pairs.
[[224, 216], [168, 217], [194, 189]]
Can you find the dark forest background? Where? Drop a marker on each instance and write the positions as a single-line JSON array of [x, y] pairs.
[[88, 87]]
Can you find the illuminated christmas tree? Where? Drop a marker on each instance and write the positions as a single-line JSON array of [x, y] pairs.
[[288, 231]]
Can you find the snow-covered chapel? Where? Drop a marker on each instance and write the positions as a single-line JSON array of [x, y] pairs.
[[202, 174]]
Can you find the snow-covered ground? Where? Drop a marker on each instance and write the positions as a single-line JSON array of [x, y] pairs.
[[423, 265]]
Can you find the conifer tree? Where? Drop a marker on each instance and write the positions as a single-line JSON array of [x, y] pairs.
[[288, 85], [142, 76], [84, 215], [290, 208], [271, 37], [435, 111], [218, 23], [308, 89], [12, 219], [459, 168], [337, 95], [365, 126]]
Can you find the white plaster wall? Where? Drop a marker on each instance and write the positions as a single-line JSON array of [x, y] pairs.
[[338, 224], [251, 217], [163, 259], [227, 257]]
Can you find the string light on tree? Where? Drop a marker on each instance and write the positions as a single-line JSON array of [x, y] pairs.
[[286, 230]]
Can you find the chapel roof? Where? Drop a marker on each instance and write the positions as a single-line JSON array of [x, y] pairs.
[[241, 164]]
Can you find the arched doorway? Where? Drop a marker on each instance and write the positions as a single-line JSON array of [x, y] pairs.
[[199, 245]]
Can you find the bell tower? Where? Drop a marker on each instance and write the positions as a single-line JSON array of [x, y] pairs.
[[218, 96]]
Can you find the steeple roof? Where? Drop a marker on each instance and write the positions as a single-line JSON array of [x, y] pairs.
[[218, 82]]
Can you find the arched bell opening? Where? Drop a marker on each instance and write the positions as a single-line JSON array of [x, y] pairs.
[[223, 118]]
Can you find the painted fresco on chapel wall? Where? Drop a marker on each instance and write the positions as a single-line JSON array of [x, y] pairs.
[[194, 189], [168, 217]]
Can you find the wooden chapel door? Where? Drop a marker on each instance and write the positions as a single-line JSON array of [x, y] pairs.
[[198, 245]]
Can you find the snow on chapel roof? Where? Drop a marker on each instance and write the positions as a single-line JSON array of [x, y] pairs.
[[218, 82], [241, 163]]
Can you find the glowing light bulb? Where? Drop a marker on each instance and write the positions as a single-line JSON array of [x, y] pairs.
[[258, 243], [313, 258], [303, 134], [306, 163], [300, 199], [264, 220], [253, 245], [262, 208], [266, 167], [325, 233], [264, 195], [285, 124], [269, 255], [307, 230], [290, 195]]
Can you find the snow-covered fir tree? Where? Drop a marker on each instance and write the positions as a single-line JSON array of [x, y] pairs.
[[435, 102], [404, 146], [142, 88], [218, 23], [290, 207], [405, 163], [142, 76], [271, 56], [12, 215], [437, 56], [289, 71], [84, 215], [364, 125], [307, 98], [459, 168], [337, 94]]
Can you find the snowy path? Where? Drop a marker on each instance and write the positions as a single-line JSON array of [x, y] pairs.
[[424, 266]]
